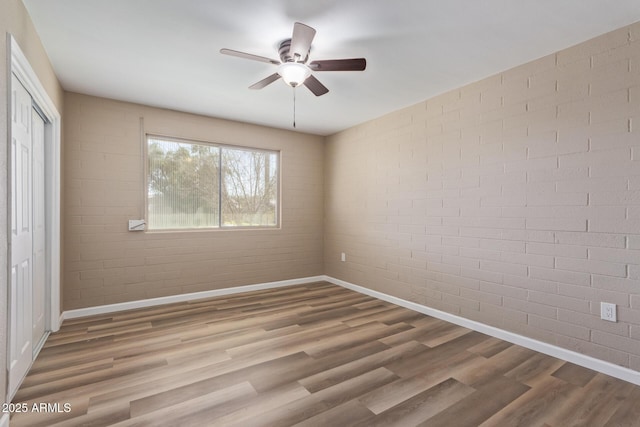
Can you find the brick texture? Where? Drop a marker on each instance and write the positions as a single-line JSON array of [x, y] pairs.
[[104, 263], [513, 201]]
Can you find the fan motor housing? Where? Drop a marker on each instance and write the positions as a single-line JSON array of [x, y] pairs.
[[283, 50]]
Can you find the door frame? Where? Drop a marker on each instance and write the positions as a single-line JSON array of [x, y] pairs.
[[21, 67]]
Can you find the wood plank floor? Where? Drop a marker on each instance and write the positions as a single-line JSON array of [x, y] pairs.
[[308, 355]]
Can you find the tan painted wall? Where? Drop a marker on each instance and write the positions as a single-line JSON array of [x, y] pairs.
[[15, 20], [105, 263], [513, 201]]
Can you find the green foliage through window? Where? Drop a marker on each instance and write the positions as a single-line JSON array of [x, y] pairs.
[[197, 185]]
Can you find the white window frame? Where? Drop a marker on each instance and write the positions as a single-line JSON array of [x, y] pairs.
[[221, 226]]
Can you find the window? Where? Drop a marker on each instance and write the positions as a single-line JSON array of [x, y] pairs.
[[195, 185]]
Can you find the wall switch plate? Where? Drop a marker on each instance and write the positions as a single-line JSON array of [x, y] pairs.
[[136, 224], [343, 257], [608, 312]]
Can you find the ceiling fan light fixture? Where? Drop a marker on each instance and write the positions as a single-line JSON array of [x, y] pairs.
[[292, 68], [294, 73]]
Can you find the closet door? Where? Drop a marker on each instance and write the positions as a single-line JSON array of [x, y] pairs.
[[21, 344], [39, 235]]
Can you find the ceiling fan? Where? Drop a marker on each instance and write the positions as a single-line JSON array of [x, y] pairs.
[[293, 67]]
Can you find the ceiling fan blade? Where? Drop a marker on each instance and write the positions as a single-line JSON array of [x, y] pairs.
[[249, 56], [315, 86], [353, 64], [266, 81], [301, 41]]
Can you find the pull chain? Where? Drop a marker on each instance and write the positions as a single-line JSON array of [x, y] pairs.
[[294, 107]]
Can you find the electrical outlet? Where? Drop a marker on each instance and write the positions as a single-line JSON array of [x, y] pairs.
[[608, 312], [343, 257]]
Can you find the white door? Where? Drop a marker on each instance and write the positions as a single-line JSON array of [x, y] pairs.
[[39, 235], [21, 320]]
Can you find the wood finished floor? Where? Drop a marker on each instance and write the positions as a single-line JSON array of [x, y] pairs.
[[309, 355]]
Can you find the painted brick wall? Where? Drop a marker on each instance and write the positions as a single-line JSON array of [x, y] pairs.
[[103, 188], [513, 201]]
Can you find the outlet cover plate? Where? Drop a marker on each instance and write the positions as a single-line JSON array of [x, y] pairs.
[[136, 225], [608, 312]]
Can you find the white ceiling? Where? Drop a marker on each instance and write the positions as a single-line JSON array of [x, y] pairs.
[[165, 53]]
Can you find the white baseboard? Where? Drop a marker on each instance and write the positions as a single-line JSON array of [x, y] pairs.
[[112, 308], [4, 420], [608, 368]]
